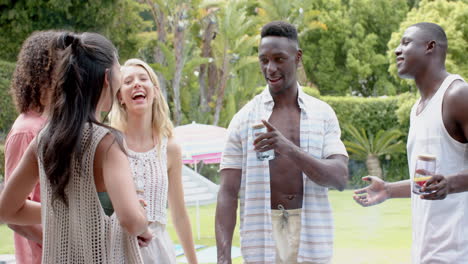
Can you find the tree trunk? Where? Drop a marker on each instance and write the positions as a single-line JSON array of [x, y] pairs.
[[179, 33], [206, 53], [222, 86], [159, 58], [373, 166]]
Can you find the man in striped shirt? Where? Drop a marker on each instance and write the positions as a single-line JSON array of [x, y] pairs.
[[285, 214]]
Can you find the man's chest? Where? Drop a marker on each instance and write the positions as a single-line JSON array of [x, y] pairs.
[[288, 123]]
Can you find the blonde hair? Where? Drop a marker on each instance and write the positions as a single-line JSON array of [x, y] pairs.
[[161, 122]]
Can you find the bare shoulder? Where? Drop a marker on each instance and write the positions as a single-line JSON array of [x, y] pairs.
[[455, 100], [174, 152], [108, 146], [457, 93], [173, 146]]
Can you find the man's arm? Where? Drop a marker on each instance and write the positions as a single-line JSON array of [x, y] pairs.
[[456, 122], [379, 191], [226, 210], [329, 172]]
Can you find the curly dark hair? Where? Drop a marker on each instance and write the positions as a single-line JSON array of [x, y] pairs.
[[33, 77]]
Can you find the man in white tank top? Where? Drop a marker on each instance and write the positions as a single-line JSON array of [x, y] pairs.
[[438, 126]]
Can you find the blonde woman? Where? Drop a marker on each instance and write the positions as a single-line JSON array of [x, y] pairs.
[[142, 115]]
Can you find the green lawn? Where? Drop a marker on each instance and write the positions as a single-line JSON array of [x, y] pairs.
[[379, 234]]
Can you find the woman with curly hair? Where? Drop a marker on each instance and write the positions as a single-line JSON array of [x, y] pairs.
[[30, 88], [75, 156]]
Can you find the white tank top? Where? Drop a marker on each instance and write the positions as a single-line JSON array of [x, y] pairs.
[[150, 176], [440, 228]]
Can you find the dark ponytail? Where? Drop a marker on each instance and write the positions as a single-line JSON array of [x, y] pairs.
[[79, 85]]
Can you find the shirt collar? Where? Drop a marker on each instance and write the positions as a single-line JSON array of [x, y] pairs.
[[267, 99]]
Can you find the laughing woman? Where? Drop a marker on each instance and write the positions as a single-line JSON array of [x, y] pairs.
[[156, 159]]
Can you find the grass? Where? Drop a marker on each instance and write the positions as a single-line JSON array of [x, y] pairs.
[[379, 234]]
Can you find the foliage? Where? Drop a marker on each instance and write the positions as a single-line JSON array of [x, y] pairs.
[[372, 113], [7, 109], [117, 19], [348, 56], [405, 103], [452, 17], [2, 163], [370, 147], [363, 144]]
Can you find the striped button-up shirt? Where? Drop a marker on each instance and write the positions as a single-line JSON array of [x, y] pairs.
[[320, 137]]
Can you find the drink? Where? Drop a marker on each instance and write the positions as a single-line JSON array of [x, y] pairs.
[[421, 180], [265, 155], [425, 168]]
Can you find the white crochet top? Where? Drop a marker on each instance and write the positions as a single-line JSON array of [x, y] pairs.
[[151, 180], [82, 233]]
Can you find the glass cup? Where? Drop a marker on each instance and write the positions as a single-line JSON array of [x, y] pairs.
[[265, 155], [425, 169]]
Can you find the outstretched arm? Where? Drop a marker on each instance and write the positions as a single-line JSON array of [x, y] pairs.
[[179, 214], [379, 191], [226, 210]]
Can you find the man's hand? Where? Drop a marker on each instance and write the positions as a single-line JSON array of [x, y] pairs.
[[436, 187], [377, 192], [273, 139]]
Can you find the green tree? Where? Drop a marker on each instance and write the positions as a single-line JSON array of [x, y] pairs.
[[348, 56], [117, 19], [370, 147], [452, 17], [173, 51], [228, 40]]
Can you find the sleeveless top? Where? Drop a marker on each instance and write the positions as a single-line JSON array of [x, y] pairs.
[[440, 231], [151, 180], [81, 233]]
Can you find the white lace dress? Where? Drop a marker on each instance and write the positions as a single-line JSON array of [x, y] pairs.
[[151, 181]]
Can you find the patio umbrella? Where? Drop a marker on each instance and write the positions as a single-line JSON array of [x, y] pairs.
[[201, 142]]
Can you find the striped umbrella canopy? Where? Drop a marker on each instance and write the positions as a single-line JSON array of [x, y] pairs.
[[201, 142]]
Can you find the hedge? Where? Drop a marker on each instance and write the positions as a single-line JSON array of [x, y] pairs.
[[2, 162], [374, 114], [7, 109]]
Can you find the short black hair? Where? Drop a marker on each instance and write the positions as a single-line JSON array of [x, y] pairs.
[[280, 29], [434, 31]]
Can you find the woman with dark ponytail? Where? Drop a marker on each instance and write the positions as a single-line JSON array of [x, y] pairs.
[[76, 157]]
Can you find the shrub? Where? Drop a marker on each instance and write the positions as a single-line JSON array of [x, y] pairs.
[[2, 162], [7, 109], [374, 114]]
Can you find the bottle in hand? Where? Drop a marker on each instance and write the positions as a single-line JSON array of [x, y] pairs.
[[265, 155]]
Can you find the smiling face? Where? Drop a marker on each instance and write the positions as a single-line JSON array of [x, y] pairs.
[[411, 54], [137, 91], [279, 58]]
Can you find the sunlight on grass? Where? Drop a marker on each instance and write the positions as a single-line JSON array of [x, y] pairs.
[[379, 234]]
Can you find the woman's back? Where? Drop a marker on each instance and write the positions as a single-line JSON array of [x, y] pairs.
[[81, 232]]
